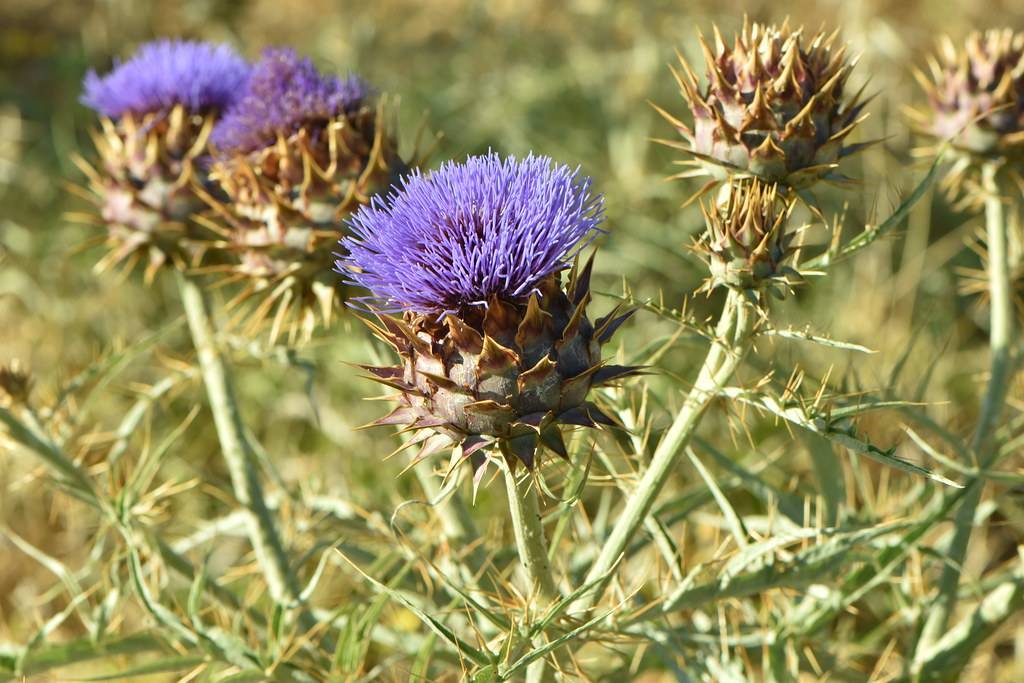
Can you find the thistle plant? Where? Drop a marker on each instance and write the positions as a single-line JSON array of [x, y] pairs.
[[156, 113], [774, 107], [167, 98], [773, 112], [976, 103], [294, 156], [497, 353], [976, 106], [715, 519]]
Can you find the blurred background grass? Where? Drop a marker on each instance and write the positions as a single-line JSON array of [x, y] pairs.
[[568, 79]]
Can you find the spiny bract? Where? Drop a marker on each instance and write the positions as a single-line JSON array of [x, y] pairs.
[[157, 110], [976, 103], [747, 240], [494, 350], [293, 157], [774, 107]]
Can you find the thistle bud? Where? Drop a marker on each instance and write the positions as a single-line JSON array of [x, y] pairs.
[[297, 153], [774, 108], [157, 111], [465, 268], [747, 241], [976, 101], [15, 383]]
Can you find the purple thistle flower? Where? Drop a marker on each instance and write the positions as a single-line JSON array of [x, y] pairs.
[[165, 73], [470, 231], [284, 93]]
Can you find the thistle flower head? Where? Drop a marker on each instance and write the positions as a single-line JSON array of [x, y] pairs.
[[976, 103], [198, 76], [293, 157], [514, 355], [157, 110], [284, 93], [747, 240], [458, 236], [977, 92], [773, 107]]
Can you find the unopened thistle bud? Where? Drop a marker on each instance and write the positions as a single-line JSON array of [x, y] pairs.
[[774, 107], [976, 103], [157, 110], [15, 383], [495, 349], [294, 157], [747, 241]]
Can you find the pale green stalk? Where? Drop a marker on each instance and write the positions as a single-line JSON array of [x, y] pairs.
[[955, 647], [238, 454], [1001, 314], [731, 343], [524, 510]]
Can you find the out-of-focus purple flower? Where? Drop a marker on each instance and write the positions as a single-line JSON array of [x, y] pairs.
[[467, 232], [284, 93], [165, 73]]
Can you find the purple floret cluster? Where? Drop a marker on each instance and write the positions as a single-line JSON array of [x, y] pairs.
[[284, 93], [468, 231], [165, 73]]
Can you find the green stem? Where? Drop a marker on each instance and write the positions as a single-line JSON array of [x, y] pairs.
[[532, 547], [30, 434], [982, 444], [529, 532], [727, 350], [238, 454], [955, 647]]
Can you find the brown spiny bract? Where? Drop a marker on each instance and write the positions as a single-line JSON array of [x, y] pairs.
[[506, 376], [284, 207], [747, 241], [774, 107], [976, 103], [143, 185]]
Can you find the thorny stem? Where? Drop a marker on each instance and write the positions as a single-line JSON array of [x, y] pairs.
[[241, 460], [732, 341], [982, 444]]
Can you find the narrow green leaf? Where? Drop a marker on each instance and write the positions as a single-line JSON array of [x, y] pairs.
[[543, 651], [477, 656], [805, 567], [807, 336], [829, 428], [873, 232], [69, 471]]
